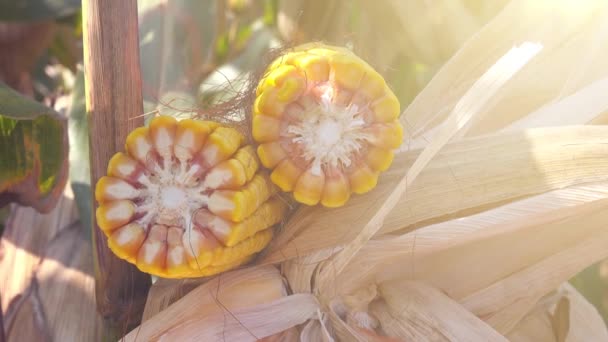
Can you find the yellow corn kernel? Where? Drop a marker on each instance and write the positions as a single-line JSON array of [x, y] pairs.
[[285, 175], [152, 256], [315, 68], [199, 246], [321, 49], [212, 270], [373, 85], [254, 244], [363, 179], [348, 71], [227, 204], [111, 189], [336, 191], [190, 136], [379, 159], [386, 108], [291, 89], [229, 174], [256, 192], [114, 214], [286, 59], [123, 166], [282, 74], [162, 134], [268, 214], [138, 145], [177, 263], [221, 144], [286, 78], [388, 136], [247, 157], [177, 260], [238, 205], [230, 233], [271, 154], [309, 187], [126, 241], [265, 128], [268, 104]]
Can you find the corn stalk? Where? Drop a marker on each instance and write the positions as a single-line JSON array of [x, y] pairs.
[[114, 106]]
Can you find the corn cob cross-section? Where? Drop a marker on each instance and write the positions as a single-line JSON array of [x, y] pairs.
[[326, 124], [186, 199]]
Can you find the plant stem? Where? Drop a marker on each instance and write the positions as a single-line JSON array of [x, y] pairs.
[[114, 108]]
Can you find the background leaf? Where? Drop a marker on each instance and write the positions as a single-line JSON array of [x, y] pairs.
[[33, 150], [80, 169], [29, 10]]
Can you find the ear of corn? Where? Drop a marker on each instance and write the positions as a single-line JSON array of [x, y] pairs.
[[321, 110], [186, 199]]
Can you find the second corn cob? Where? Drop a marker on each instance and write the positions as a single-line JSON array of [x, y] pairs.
[[326, 124]]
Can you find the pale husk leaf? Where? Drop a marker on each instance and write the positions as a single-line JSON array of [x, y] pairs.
[[504, 303], [414, 311], [47, 285], [497, 263], [584, 322], [228, 292], [465, 110], [242, 305], [512, 236], [571, 34], [582, 107], [248, 323], [466, 177], [165, 292]]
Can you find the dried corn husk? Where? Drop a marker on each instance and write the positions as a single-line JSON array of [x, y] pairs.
[[466, 177], [563, 315], [573, 56], [237, 306], [52, 289], [466, 237], [414, 311]]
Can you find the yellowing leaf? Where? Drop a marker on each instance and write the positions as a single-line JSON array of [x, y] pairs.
[[33, 152]]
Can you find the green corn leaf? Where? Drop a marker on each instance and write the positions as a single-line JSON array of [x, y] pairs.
[[33, 151]]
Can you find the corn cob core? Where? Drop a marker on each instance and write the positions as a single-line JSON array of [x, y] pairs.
[[326, 124], [186, 199]]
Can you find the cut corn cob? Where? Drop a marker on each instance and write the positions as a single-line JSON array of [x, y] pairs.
[[186, 199], [327, 124]]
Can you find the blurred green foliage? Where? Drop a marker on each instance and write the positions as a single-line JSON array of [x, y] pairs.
[[33, 148], [29, 10]]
